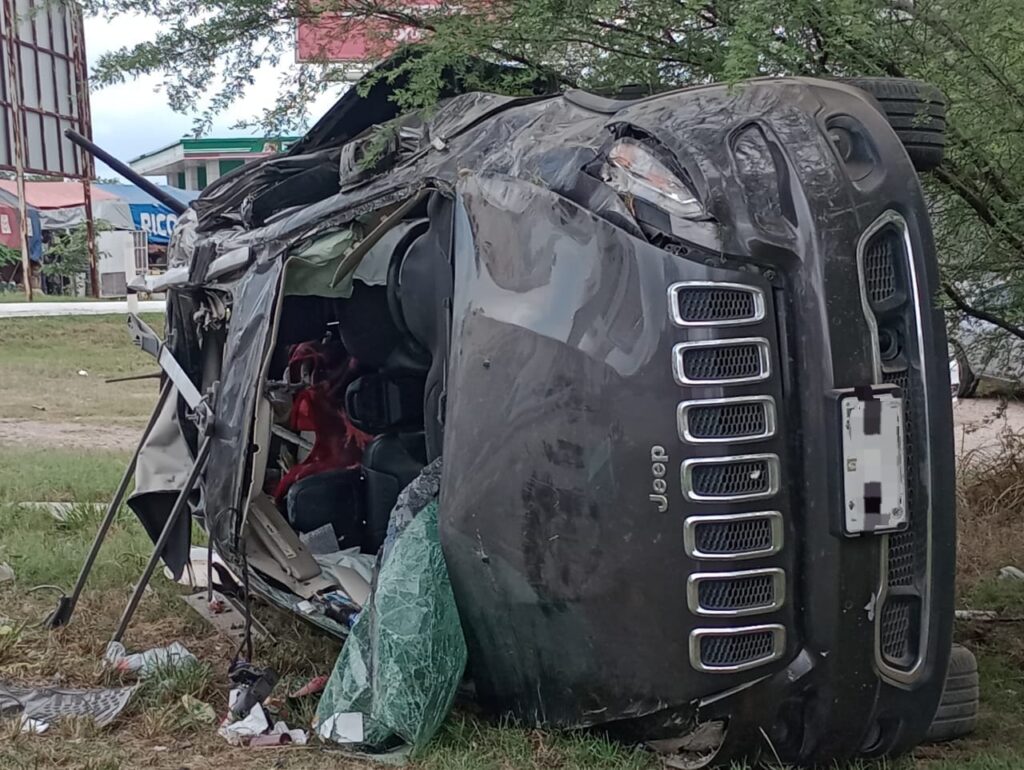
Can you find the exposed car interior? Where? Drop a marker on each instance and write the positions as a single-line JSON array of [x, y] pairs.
[[355, 388]]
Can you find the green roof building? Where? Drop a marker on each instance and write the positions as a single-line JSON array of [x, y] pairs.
[[192, 164]]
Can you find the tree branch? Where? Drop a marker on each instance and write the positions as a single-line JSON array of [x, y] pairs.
[[982, 315]]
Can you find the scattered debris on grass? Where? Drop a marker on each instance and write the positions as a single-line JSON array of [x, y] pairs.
[[6, 572], [1011, 573], [49, 704], [145, 663]]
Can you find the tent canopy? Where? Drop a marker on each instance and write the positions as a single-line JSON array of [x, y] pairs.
[[61, 205]]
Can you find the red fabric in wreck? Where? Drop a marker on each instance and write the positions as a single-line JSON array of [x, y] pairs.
[[338, 443]]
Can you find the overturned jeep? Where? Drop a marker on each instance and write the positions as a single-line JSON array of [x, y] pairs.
[[680, 357]]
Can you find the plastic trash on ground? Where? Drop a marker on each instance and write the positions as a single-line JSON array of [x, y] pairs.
[[144, 663], [32, 726], [241, 731], [50, 704], [406, 655]]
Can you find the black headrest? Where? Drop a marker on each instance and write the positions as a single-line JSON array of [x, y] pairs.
[[378, 403], [365, 325]]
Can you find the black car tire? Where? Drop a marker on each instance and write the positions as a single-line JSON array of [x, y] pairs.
[[958, 707], [917, 113]]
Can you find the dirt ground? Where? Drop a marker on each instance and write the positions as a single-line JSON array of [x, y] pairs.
[[980, 423], [68, 435]]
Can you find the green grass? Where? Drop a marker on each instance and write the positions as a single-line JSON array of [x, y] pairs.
[[19, 296], [44, 551], [40, 359], [59, 474]]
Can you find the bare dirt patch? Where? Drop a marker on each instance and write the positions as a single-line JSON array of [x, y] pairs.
[[70, 435], [980, 424]]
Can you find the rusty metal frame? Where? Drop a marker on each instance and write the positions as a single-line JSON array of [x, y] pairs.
[[72, 59], [69, 110]]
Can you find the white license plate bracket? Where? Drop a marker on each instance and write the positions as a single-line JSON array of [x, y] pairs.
[[874, 465]]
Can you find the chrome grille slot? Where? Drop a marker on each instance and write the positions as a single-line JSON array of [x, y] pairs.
[[881, 253], [705, 303], [728, 650], [730, 479], [726, 420], [721, 362], [898, 638], [733, 536], [735, 594]]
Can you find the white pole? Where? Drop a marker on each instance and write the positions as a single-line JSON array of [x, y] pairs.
[[129, 275]]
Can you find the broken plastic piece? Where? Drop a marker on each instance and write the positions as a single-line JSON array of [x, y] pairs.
[[1010, 572], [241, 731], [313, 686], [342, 728], [404, 660], [144, 663], [33, 726], [48, 704]]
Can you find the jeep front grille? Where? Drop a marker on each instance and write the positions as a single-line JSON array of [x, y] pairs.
[[904, 546], [733, 536], [728, 650], [721, 362], [730, 479], [734, 594], [699, 303], [898, 630], [726, 420], [881, 253], [890, 289]]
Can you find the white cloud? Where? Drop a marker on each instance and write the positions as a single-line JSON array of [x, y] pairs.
[[133, 118]]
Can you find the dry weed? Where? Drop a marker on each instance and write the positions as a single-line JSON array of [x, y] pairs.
[[990, 511]]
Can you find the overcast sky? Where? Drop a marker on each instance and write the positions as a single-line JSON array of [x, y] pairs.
[[133, 118]]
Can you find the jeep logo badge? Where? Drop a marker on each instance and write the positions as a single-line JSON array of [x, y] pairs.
[[659, 463]]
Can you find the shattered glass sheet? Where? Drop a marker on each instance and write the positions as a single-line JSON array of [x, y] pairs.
[[405, 657], [49, 704]]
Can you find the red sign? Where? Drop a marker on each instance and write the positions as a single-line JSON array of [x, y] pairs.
[[343, 37]]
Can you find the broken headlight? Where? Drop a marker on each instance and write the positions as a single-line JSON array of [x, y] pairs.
[[635, 173]]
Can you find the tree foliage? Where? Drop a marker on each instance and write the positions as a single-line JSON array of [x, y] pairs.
[[67, 255], [9, 256], [972, 49]]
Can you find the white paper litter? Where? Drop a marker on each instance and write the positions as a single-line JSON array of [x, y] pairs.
[[346, 727], [239, 733], [6, 572], [33, 726], [298, 737], [175, 654]]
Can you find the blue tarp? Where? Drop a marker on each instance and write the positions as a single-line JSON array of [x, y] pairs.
[[147, 213]]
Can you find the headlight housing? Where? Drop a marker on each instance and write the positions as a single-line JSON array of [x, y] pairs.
[[634, 172]]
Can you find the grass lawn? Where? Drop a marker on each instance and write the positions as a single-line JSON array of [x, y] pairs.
[[40, 361], [19, 296], [158, 731]]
